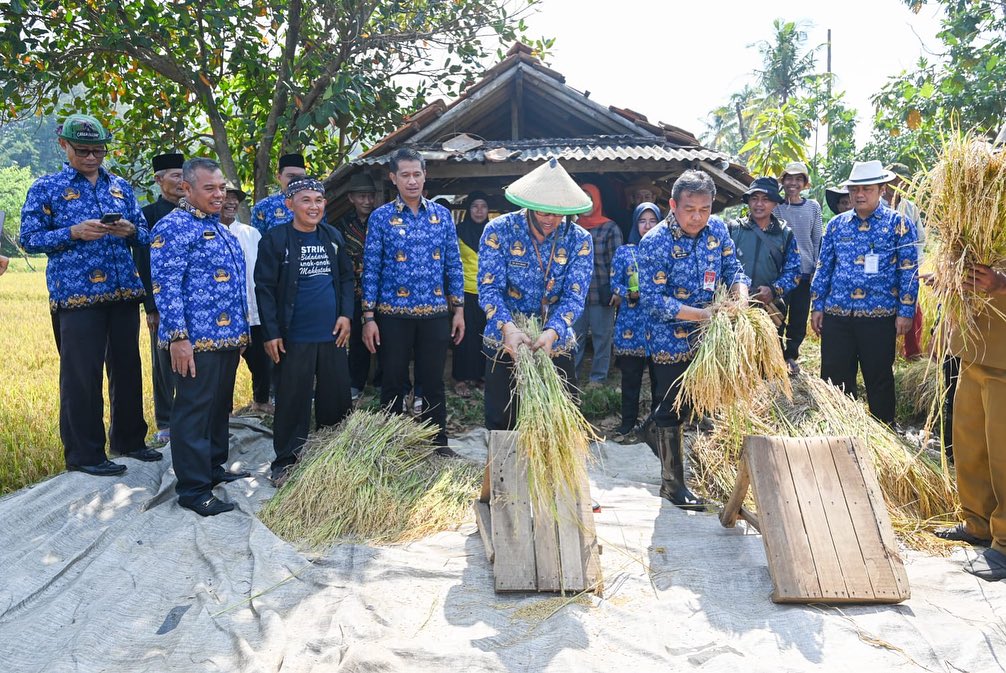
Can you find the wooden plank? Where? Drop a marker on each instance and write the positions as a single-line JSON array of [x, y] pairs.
[[483, 519], [486, 479], [790, 561], [589, 549], [510, 506], [843, 531], [869, 515], [886, 529], [731, 510], [571, 552], [815, 519], [546, 547]]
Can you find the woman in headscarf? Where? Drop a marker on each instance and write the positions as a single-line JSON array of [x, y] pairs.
[[630, 324], [469, 364], [598, 315]]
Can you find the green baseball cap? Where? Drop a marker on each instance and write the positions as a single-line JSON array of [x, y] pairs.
[[84, 129]]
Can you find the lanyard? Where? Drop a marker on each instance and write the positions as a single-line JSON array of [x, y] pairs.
[[545, 271]]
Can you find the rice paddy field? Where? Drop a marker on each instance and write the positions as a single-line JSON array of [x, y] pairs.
[[30, 449]]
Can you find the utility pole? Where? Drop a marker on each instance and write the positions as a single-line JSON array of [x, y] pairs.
[[827, 145]]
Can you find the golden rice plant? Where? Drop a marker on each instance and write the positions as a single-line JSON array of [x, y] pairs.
[[551, 430], [737, 355], [372, 479], [963, 197], [917, 385], [917, 492]]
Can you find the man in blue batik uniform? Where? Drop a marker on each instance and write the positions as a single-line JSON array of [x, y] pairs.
[[681, 263], [198, 272], [533, 262], [84, 218], [863, 294], [412, 284], [272, 211]]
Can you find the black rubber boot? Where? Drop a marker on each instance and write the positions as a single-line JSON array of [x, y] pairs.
[[672, 470], [648, 433]]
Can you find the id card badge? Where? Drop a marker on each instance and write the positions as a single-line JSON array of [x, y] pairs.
[[709, 281], [871, 264]]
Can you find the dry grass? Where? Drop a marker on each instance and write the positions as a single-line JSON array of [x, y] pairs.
[[738, 354], [30, 448], [372, 479], [917, 492], [552, 432]]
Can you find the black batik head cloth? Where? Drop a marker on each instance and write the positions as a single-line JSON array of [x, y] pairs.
[[299, 185]]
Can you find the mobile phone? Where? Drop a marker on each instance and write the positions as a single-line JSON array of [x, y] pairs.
[[111, 218]]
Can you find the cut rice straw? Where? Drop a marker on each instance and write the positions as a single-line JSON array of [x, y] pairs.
[[917, 493], [372, 479], [737, 356], [551, 431]]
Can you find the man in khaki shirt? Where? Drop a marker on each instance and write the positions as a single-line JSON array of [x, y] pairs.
[[979, 432]]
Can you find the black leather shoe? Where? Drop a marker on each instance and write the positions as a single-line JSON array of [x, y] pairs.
[[207, 506], [989, 566], [225, 477], [959, 534], [146, 454], [105, 468]]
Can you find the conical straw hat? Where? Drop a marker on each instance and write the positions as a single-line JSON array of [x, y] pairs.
[[549, 189]]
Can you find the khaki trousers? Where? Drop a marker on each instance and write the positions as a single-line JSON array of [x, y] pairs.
[[980, 450]]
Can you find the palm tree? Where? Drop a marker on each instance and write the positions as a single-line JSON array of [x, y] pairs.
[[785, 65]]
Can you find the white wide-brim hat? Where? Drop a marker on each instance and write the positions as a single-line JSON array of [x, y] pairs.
[[549, 189], [868, 173]]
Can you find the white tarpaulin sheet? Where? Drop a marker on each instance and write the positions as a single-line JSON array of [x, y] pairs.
[[101, 574]]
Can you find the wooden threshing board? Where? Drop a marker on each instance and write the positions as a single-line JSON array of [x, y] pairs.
[[827, 533]]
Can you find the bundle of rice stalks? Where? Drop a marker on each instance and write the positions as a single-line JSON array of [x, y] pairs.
[[917, 386], [737, 355], [551, 430], [918, 494], [372, 479], [964, 199]]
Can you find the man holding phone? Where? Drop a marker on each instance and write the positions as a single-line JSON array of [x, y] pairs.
[[84, 218]]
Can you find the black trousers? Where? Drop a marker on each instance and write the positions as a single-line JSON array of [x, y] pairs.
[[469, 363], [163, 383], [318, 370], [951, 372], [359, 357], [259, 365], [850, 343], [200, 439], [632, 382], [666, 390], [91, 340], [425, 340], [797, 314], [501, 413]]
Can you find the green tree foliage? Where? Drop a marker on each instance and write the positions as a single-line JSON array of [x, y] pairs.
[[776, 139], [31, 143], [14, 184], [964, 85], [786, 66], [245, 81]]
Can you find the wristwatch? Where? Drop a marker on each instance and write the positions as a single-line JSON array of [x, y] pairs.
[[367, 318]]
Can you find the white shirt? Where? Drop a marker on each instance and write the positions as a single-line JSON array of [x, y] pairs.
[[248, 237]]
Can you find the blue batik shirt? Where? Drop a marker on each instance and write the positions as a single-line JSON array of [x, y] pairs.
[[849, 248], [83, 273], [408, 258], [630, 323], [197, 270], [271, 212], [516, 276], [678, 270]]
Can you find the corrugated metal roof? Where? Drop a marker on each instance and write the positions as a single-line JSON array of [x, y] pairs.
[[602, 148]]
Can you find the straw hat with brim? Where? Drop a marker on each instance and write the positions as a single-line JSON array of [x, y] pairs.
[[549, 189], [833, 195], [796, 168], [231, 189], [868, 173]]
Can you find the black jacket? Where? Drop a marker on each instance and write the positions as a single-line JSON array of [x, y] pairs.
[[277, 272]]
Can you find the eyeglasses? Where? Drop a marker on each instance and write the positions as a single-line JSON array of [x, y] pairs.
[[96, 152]]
